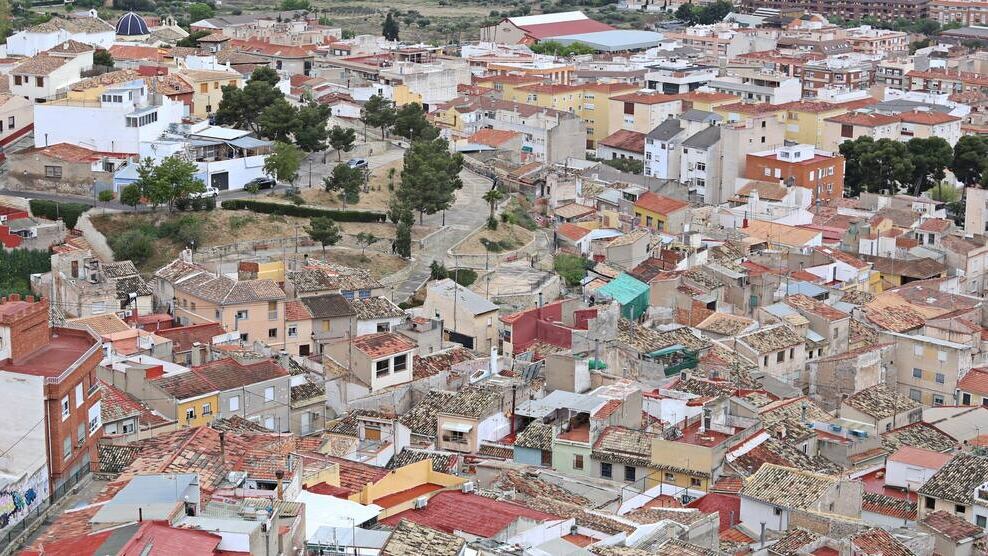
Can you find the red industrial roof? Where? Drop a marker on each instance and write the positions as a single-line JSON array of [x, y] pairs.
[[548, 30], [477, 515]]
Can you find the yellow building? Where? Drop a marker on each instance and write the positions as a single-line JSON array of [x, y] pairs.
[[504, 85], [708, 102], [403, 95], [804, 120], [554, 72], [682, 462], [197, 411], [207, 88], [398, 490], [590, 101]]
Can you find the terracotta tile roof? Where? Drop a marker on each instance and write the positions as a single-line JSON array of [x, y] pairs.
[[920, 435], [888, 506], [443, 462], [440, 362], [218, 376], [368, 308], [257, 46], [117, 404], [936, 225], [421, 418], [183, 337], [237, 424], [560, 28], [928, 118], [572, 231], [625, 446], [411, 538], [473, 402], [957, 480], [73, 25], [646, 98], [771, 339], [816, 307], [975, 381], [492, 137], [115, 458], [451, 511], [295, 310], [864, 119], [496, 451], [722, 504], [878, 541], [625, 140], [881, 401], [727, 484], [724, 324], [752, 108], [136, 52], [780, 452], [537, 435], [326, 306], [331, 278], [792, 541], [354, 475], [306, 392], [382, 344], [953, 527], [573, 210], [659, 204]]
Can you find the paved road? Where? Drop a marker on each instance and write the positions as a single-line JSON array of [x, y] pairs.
[[467, 213]]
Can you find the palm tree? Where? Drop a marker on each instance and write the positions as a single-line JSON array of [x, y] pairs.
[[492, 197]]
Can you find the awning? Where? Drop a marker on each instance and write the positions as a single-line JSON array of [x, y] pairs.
[[457, 427], [248, 142]]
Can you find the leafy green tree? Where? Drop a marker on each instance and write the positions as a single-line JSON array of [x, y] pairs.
[[192, 41], [365, 240], [130, 195], [493, 197], [346, 181], [134, 245], [103, 58], [243, 107], [930, 157], [178, 177], [390, 28], [437, 271], [292, 5], [875, 166], [199, 10], [252, 187], [266, 74], [17, 266], [283, 162], [403, 239], [310, 130], [556, 48], [324, 231], [278, 121], [572, 268], [430, 177], [378, 112], [410, 123], [970, 160], [105, 196], [945, 192], [341, 139]]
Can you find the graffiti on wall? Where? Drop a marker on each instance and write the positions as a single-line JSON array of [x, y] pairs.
[[19, 499]]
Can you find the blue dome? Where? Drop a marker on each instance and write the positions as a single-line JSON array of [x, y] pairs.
[[131, 25]]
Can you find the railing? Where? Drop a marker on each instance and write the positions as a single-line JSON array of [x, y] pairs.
[[97, 346]]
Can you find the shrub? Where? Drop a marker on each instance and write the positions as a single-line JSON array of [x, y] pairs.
[[491, 223], [53, 210], [17, 266], [437, 271], [463, 276], [239, 221], [265, 207], [134, 245], [572, 268], [183, 230]]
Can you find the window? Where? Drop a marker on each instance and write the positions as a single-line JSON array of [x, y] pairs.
[[269, 423], [695, 483], [918, 350], [959, 508], [39, 81], [605, 470], [937, 399], [110, 428], [272, 332], [648, 221], [941, 355], [915, 395], [53, 171], [269, 394], [917, 373], [792, 353], [241, 315], [190, 413], [127, 427], [81, 433], [629, 108], [192, 306], [383, 327], [235, 403], [292, 331], [204, 87], [578, 461], [768, 171], [66, 447], [65, 408], [78, 395], [780, 357], [382, 368], [456, 437], [981, 521], [401, 362], [669, 477], [17, 80], [207, 409], [777, 510], [629, 473], [765, 361], [940, 378], [216, 85]]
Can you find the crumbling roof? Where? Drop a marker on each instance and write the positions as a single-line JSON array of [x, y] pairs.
[[625, 446], [724, 324], [780, 452], [421, 418], [647, 340], [881, 401], [411, 538], [328, 306], [442, 462], [953, 527], [771, 339], [890, 506], [816, 307], [787, 487], [792, 541], [878, 541], [376, 308], [537, 435], [472, 402], [382, 344], [439, 362]]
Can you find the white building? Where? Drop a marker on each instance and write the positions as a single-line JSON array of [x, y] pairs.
[[700, 161], [92, 31], [759, 86], [227, 158], [673, 77], [429, 84], [48, 73], [910, 467], [124, 117]]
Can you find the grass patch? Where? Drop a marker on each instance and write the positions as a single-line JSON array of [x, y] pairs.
[[517, 213]]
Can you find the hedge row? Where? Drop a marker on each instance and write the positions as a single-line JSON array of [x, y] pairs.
[[53, 210], [303, 211]]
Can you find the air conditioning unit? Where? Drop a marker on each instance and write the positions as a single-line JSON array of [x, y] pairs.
[[420, 502], [467, 487]]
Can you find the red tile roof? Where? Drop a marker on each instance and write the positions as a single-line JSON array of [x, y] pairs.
[[382, 344], [117, 404], [863, 119], [183, 337], [647, 98], [920, 457], [660, 205], [955, 528], [492, 137], [73, 153], [975, 382], [722, 504], [477, 515], [295, 310], [750, 108], [257, 46], [625, 140], [160, 539], [135, 52], [927, 118], [572, 231], [607, 409], [220, 375]]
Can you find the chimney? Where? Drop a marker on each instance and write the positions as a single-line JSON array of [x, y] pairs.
[[196, 354], [280, 474], [222, 446]]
